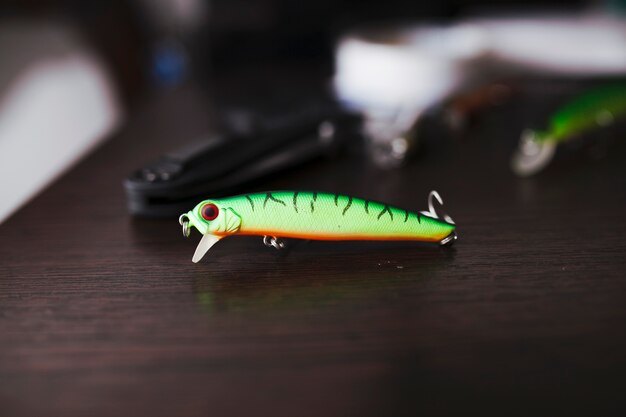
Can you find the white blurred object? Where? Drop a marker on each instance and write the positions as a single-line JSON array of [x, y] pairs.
[[175, 16], [409, 66], [56, 103], [584, 45], [393, 76]]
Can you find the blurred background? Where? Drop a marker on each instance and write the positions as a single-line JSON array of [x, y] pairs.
[[73, 72]]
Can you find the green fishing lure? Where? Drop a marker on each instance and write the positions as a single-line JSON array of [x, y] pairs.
[[596, 108], [312, 215]]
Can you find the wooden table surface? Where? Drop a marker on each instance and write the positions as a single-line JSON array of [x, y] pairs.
[[105, 315]]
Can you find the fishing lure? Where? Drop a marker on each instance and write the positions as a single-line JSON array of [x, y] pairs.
[[312, 215], [596, 108]]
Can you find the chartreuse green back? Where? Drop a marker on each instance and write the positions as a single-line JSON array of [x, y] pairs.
[[311, 215], [596, 107]]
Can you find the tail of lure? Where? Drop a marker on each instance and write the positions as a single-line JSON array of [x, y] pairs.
[[316, 216]]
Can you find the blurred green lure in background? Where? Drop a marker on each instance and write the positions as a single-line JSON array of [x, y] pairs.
[[600, 107]]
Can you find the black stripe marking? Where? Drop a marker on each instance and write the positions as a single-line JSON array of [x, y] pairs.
[[406, 216], [336, 199], [386, 209], [269, 196], [313, 201], [367, 203], [251, 202], [295, 201], [347, 206]]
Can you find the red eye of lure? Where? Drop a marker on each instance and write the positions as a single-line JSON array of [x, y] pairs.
[[209, 212]]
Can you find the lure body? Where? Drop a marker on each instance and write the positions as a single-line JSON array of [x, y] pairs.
[[598, 107], [316, 216]]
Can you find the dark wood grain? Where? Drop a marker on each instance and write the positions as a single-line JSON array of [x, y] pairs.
[[102, 314]]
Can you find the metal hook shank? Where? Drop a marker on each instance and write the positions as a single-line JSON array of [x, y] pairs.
[[184, 221], [274, 242]]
